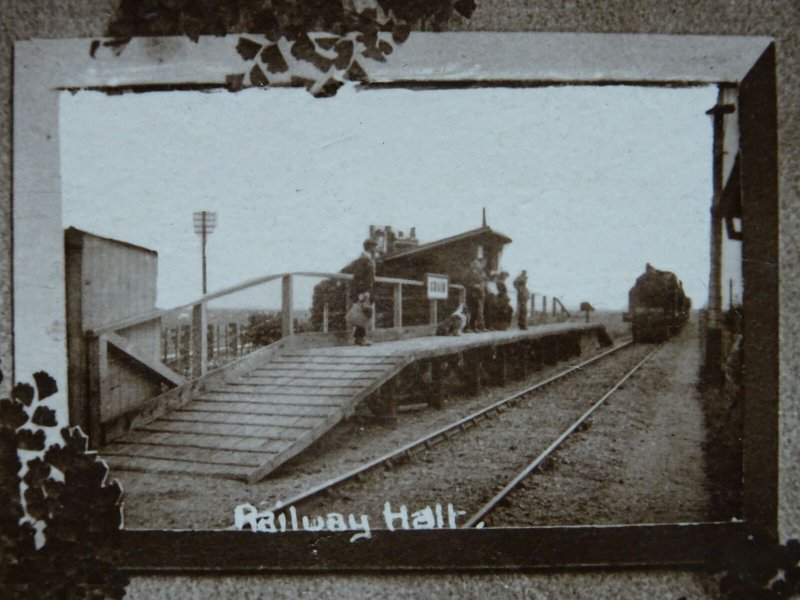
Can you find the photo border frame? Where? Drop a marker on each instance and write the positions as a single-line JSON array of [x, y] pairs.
[[45, 68]]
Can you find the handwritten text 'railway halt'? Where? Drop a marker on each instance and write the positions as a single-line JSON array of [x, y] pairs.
[[399, 518]]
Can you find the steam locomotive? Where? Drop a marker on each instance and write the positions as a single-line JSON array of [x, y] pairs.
[[657, 306]]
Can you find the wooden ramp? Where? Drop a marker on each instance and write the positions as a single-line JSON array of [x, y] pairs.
[[248, 426]]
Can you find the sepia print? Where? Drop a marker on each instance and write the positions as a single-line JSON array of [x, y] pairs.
[[553, 182], [489, 295]]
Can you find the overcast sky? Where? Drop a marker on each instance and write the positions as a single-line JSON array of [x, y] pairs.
[[590, 182]]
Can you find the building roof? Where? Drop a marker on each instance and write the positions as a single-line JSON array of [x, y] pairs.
[[74, 236], [479, 232]]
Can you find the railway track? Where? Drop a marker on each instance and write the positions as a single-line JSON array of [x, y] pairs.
[[408, 451], [476, 520]]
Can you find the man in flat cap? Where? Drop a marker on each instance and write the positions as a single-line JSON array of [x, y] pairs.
[[362, 288], [475, 282], [523, 297]]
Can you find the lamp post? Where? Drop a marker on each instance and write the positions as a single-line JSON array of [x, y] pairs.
[[204, 224]]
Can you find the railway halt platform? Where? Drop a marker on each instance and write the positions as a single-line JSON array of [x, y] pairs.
[[248, 420]]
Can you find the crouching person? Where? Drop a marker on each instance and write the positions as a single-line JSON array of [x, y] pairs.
[[360, 316], [361, 290]]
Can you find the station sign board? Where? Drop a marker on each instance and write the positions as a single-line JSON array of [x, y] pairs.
[[437, 286]]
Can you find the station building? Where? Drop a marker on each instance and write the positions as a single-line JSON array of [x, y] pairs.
[[404, 257], [451, 256]]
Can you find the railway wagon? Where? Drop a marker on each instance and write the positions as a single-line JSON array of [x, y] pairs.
[[657, 306]]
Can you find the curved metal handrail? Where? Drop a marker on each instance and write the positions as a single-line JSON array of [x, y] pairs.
[[163, 312]]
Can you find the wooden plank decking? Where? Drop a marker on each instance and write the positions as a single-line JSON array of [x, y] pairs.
[[248, 426]]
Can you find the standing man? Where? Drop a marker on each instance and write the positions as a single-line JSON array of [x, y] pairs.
[[523, 296], [503, 310], [476, 293], [491, 295], [363, 287]]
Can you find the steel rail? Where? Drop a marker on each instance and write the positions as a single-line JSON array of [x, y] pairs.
[[476, 519], [445, 433]]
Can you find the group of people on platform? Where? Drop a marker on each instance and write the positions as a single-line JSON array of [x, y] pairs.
[[488, 302]]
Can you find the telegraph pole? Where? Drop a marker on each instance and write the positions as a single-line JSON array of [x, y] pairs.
[[204, 224]]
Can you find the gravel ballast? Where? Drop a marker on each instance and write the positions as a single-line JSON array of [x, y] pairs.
[[641, 461], [470, 468], [631, 440]]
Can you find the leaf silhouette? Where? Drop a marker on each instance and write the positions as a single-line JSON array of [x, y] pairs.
[[385, 47], [46, 417], [356, 72], [45, 385], [35, 499], [257, 77], [374, 53], [465, 7], [368, 38], [329, 88], [370, 13], [400, 32], [273, 58], [234, 82], [303, 48], [38, 471], [12, 415], [28, 440], [267, 23], [36, 503], [193, 28], [305, 82], [247, 49], [327, 43], [117, 44], [344, 54], [23, 392], [323, 63], [74, 439]]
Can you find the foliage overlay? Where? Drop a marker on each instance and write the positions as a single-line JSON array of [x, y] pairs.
[[352, 31], [768, 572], [66, 495]]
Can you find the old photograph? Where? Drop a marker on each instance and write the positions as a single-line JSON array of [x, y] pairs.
[[464, 301], [410, 308]]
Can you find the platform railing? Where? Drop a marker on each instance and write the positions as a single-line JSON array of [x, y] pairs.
[[199, 311], [122, 376], [538, 311]]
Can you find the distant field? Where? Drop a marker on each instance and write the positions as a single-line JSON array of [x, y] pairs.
[[226, 315], [615, 326], [611, 319]]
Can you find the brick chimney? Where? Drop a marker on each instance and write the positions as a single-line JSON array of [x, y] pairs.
[[403, 243]]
